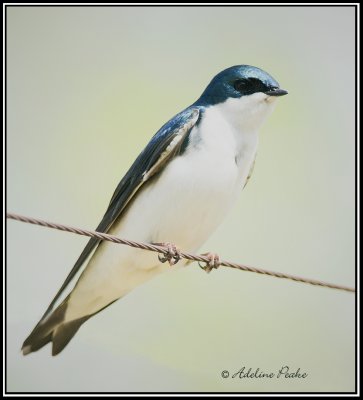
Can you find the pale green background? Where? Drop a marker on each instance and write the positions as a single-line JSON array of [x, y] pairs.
[[87, 88]]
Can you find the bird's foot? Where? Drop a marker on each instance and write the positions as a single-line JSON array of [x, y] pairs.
[[172, 255], [212, 263]]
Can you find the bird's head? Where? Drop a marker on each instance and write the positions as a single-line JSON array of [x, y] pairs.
[[244, 91]]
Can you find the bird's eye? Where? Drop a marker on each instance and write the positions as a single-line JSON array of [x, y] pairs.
[[249, 86], [240, 85]]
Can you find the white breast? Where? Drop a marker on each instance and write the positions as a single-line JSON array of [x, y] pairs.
[[196, 190]]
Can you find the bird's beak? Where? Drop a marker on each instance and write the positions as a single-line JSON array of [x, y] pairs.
[[277, 92]]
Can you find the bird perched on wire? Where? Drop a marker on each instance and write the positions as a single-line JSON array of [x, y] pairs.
[[176, 192]]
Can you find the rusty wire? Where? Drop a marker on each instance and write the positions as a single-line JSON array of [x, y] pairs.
[[172, 256]]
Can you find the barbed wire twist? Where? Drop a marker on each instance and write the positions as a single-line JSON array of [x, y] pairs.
[[171, 255]]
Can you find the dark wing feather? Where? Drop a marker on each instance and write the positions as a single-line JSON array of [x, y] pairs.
[[163, 146]]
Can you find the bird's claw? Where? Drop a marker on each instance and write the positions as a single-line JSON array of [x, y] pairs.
[[172, 255], [212, 263]]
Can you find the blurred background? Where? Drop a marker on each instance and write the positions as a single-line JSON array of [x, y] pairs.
[[86, 89]]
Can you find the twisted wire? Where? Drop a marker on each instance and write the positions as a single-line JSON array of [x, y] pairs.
[[171, 256]]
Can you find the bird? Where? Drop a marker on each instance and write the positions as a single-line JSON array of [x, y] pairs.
[[177, 192]]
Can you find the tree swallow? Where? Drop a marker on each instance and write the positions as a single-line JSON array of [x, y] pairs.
[[178, 191]]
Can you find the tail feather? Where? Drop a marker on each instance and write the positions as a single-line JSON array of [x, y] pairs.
[[53, 329], [64, 333], [35, 344]]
